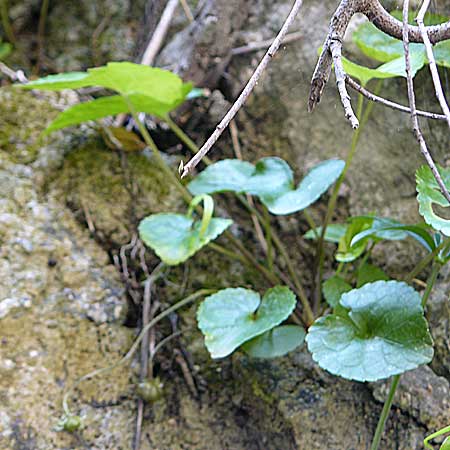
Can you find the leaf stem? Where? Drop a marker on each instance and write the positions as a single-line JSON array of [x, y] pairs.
[[268, 236], [191, 298], [385, 413]]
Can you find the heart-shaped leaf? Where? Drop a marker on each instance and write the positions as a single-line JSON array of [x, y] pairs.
[[235, 315], [276, 342], [368, 273], [333, 233], [271, 180], [176, 237], [429, 196], [384, 333]]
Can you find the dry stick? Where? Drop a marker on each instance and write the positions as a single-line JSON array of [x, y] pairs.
[[377, 99], [262, 45], [432, 62], [245, 93], [335, 49], [187, 10], [160, 33], [412, 103]]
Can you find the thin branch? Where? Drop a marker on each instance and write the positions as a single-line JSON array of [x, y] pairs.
[[261, 45], [335, 48], [245, 93], [13, 75], [158, 36], [412, 103], [377, 99], [432, 62], [187, 10]]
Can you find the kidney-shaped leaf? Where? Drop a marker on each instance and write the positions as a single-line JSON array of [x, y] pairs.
[[384, 333], [176, 237], [235, 315], [276, 342], [271, 180], [429, 197]]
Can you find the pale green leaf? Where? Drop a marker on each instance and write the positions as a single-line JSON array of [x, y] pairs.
[[276, 342], [176, 237], [385, 333], [235, 315], [430, 198], [333, 233]]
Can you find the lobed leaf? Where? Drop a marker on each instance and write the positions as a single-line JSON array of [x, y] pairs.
[[384, 333], [429, 197], [176, 237], [233, 316], [276, 342]]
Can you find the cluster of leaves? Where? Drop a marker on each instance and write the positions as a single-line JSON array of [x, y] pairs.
[[389, 51]]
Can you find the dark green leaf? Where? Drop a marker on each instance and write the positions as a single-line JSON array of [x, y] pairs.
[[384, 334], [368, 273], [333, 233], [333, 288], [234, 316], [176, 237], [276, 342], [430, 196]]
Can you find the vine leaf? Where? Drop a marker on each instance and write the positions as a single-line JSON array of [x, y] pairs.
[[176, 237], [271, 180], [384, 333], [145, 89], [233, 316], [276, 342], [429, 196]]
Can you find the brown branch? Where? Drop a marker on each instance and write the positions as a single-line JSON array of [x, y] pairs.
[[377, 99], [432, 62], [412, 103], [245, 93], [375, 12], [261, 45]]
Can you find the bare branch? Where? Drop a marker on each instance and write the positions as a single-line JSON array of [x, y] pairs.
[[245, 93], [375, 98], [412, 104], [335, 48], [254, 46], [432, 62]]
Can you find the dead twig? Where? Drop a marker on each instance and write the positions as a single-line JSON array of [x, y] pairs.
[[262, 45], [412, 103], [375, 98], [431, 61], [18, 75], [187, 10], [159, 35], [245, 93]]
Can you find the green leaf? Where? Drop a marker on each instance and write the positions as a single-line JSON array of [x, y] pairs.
[[234, 316], [176, 237], [316, 182], [270, 179], [429, 196], [333, 288], [270, 176], [441, 53], [365, 74], [149, 89], [397, 67], [333, 233], [347, 252], [276, 342], [368, 273], [446, 444], [5, 49], [380, 46], [384, 334], [389, 229]]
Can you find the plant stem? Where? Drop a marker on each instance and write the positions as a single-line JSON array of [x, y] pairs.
[[268, 235], [395, 379], [385, 413], [191, 298], [311, 223], [41, 33], [6, 23]]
